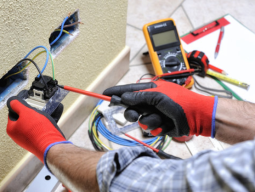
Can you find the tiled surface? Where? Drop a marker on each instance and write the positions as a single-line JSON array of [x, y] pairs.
[[188, 15], [144, 11], [203, 11], [135, 40]]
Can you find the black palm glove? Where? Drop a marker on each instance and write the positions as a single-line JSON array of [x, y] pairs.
[[57, 113], [166, 108]]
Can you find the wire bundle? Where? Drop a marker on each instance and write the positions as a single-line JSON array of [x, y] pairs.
[[96, 125]]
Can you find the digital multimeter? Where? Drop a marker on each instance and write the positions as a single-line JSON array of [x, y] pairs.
[[165, 49]]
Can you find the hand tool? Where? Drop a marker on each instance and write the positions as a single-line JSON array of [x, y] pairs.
[[116, 100]]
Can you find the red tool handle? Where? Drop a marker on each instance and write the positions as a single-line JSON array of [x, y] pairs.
[[88, 93]]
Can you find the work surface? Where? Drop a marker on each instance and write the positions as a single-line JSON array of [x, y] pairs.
[[188, 14]]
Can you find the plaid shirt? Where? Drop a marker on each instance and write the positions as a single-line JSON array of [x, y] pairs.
[[139, 169]]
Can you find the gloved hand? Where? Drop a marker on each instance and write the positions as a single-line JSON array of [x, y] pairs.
[[166, 108], [56, 113], [32, 129]]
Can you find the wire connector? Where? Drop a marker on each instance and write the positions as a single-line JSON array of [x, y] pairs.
[[38, 85]]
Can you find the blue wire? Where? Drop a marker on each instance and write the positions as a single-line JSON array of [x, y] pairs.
[[47, 58], [60, 33], [119, 140]]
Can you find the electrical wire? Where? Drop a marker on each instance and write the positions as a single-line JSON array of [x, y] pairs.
[[47, 57], [27, 59], [59, 35], [65, 31], [97, 125], [141, 78], [169, 141], [52, 62], [207, 90], [72, 24], [224, 86]]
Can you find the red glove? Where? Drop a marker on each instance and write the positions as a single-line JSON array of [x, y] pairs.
[[167, 108], [32, 129]]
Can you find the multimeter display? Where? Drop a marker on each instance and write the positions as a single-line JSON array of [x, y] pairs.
[[166, 52], [164, 38]]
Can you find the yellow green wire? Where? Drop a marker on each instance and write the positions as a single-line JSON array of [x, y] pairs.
[[65, 31], [52, 62], [93, 114], [170, 139]]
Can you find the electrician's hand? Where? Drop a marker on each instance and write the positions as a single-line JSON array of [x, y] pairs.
[[167, 108], [32, 129]]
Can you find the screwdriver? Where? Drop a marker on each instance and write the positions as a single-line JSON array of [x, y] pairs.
[[115, 100]]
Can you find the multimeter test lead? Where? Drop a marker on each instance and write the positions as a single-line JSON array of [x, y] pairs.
[[159, 152]]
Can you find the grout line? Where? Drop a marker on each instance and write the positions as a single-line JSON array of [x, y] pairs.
[[134, 27], [140, 64], [188, 17], [137, 53], [176, 9]]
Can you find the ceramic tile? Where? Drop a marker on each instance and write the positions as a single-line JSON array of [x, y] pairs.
[[141, 59], [200, 143], [144, 11], [182, 21], [134, 39], [201, 12], [207, 82], [178, 149], [135, 72]]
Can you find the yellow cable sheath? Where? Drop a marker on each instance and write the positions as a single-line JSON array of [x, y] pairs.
[[65, 31], [94, 131], [155, 142], [25, 66]]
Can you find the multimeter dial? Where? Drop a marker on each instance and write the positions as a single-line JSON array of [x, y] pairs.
[[171, 60]]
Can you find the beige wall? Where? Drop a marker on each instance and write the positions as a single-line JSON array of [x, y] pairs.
[[29, 23]]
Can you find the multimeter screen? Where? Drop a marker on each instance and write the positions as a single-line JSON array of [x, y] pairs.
[[164, 38]]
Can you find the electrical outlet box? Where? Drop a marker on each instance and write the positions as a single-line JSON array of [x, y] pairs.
[[12, 82], [65, 38]]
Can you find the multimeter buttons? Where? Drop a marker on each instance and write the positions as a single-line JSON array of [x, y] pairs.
[[198, 60]]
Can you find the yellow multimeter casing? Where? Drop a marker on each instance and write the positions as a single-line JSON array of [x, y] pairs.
[[165, 49]]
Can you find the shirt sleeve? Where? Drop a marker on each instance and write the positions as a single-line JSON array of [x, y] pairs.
[[140, 169]]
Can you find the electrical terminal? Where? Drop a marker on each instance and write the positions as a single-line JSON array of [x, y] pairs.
[[39, 94]]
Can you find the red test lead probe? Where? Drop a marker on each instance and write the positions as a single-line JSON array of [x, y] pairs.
[[159, 152]]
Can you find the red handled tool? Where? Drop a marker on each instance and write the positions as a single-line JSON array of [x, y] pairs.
[[115, 100], [88, 93]]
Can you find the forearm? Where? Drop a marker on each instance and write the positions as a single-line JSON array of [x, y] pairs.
[[74, 167], [235, 121]]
